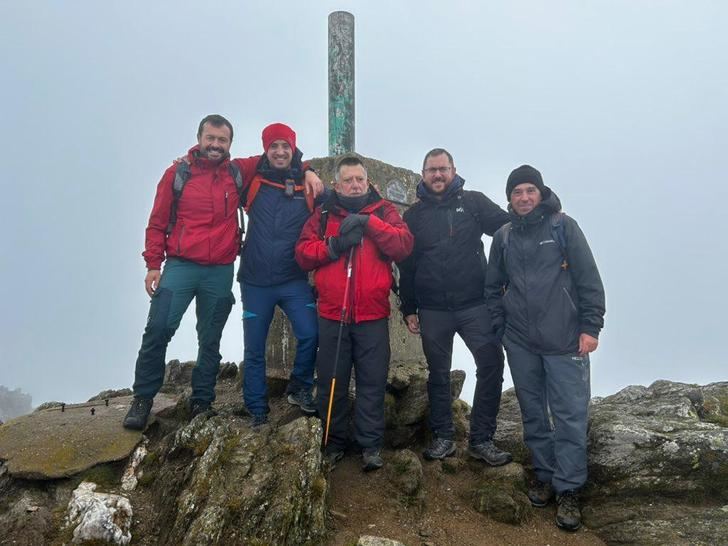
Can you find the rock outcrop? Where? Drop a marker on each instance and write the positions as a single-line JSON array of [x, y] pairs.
[[658, 460], [14, 403]]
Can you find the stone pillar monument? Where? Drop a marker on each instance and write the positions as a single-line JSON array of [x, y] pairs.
[[341, 83]]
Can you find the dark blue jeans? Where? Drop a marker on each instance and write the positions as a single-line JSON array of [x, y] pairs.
[[295, 298], [438, 329], [181, 282]]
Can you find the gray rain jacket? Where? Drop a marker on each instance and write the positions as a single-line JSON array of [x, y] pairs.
[[544, 306]]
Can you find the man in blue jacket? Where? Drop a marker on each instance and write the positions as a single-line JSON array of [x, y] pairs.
[[277, 204], [547, 302]]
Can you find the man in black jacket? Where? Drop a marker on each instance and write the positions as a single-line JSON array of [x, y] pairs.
[[442, 287], [545, 293]]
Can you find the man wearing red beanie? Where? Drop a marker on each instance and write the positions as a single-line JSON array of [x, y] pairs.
[[277, 204]]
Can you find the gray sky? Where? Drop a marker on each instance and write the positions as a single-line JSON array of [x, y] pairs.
[[621, 104]]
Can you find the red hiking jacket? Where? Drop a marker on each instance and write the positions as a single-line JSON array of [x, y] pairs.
[[386, 239], [206, 231]]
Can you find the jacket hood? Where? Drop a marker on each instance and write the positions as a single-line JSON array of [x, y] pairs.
[[426, 195], [550, 204]]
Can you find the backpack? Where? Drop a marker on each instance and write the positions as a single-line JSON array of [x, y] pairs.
[[557, 233], [182, 175]]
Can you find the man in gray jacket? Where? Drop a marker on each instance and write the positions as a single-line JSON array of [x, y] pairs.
[[547, 302]]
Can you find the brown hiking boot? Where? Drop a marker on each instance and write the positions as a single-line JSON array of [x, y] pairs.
[[540, 493], [568, 515]]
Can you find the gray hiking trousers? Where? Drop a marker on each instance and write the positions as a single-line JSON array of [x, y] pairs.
[[559, 385]]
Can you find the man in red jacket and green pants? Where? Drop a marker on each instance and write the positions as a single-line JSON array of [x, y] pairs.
[[354, 217], [198, 249]]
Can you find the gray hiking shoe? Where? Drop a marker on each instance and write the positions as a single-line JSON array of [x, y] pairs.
[[136, 417], [439, 449], [540, 493], [568, 514], [304, 400], [371, 459], [488, 452]]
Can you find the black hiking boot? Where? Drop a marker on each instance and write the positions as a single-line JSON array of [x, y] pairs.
[[257, 420], [371, 459], [304, 400], [568, 514], [439, 449], [333, 455], [540, 493], [488, 452], [197, 407], [136, 417]]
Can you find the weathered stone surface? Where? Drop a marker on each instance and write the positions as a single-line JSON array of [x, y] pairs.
[[457, 380], [658, 463], [502, 503], [111, 393], [656, 521], [129, 480], [28, 520], [218, 482], [99, 517], [499, 492], [407, 402], [369, 540], [461, 419], [14, 403], [658, 440], [405, 473], [53, 444]]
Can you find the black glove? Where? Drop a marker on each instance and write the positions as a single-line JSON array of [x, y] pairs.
[[340, 244], [353, 221]]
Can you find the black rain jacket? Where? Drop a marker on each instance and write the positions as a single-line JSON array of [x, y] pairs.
[[446, 270], [544, 306]]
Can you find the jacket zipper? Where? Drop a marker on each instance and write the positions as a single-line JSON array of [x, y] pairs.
[[179, 241], [568, 297], [226, 201]]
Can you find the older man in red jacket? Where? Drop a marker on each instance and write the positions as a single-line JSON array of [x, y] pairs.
[[351, 241]]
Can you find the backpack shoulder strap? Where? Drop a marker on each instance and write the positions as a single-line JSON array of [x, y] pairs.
[[324, 220], [559, 235], [181, 176], [237, 176]]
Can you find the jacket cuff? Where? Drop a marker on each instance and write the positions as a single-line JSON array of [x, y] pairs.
[[408, 309], [590, 330]]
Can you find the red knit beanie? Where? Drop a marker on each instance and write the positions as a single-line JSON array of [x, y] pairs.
[[278, 131]]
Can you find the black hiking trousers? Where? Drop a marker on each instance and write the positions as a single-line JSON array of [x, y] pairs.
[[438, 329], [365, 346]]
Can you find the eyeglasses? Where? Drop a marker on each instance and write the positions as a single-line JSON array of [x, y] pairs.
[[441, 170]]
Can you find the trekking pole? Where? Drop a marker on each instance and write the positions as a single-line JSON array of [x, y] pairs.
[[338, 342]]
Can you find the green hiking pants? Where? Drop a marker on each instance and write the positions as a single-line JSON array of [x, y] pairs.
[[181, 282]]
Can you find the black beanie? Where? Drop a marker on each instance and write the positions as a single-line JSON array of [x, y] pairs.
[[525, 174]]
